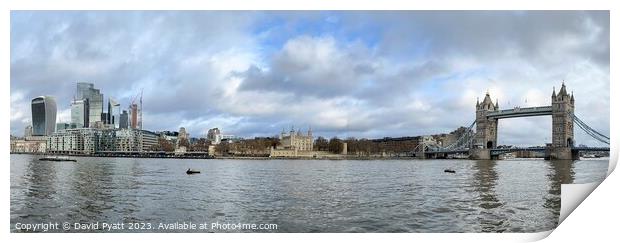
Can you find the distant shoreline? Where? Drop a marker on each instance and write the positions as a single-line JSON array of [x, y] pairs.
[[146, 156], [336, 157]]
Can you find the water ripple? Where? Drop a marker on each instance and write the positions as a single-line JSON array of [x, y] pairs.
[[301, 196]]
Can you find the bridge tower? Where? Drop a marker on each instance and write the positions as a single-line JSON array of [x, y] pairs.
[[563, 139], [486, 129]]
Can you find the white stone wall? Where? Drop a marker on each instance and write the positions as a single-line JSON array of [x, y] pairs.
[[300, 142]]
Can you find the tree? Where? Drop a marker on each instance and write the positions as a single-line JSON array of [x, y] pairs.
[[201, 145], [257, 146], [222, 148], [184, 142], [321, 144], [335, 145], [165, 145]]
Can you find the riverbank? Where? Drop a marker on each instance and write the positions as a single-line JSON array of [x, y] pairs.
[[132, 155], [205, 156]]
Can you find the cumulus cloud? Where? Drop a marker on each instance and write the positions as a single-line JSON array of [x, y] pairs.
[[318, 66], [344, 73]]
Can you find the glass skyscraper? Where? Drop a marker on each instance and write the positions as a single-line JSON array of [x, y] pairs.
[[124, 120], [43, 115], [79, 113], [113, 115], [87, 91]]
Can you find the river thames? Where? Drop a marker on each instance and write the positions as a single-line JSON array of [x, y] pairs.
[[521, 195]]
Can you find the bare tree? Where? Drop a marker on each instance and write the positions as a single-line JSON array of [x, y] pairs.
[[321, 144]]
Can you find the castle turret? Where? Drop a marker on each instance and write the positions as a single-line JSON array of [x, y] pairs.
[[486, 128], [562, 106], [487, 104], [563, 94]]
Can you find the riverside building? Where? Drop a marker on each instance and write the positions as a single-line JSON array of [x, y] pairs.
[[30, 144], [73, 141], [90, 141]]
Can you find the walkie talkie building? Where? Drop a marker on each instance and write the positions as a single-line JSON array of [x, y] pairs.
[[43, 115]]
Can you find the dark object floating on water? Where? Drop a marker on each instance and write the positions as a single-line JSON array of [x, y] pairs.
[[57, 159], [190, 171], [449, 171]]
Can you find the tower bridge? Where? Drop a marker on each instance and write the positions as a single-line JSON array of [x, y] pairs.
[[480, 139]]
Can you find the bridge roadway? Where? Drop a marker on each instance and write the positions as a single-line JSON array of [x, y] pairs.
[[498, 151], [520, 112]]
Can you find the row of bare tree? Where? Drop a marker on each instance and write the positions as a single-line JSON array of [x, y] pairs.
[[261, 146]]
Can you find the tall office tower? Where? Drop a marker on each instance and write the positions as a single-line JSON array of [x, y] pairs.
[[87, 91], [84, 89], [134, 116], [43, 115], [124, 120], [79, 113], [105, 118], [113, 116]]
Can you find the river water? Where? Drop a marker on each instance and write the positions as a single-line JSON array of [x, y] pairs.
[[296, 195]]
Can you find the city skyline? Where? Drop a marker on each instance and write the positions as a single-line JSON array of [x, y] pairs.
[[361, 74]]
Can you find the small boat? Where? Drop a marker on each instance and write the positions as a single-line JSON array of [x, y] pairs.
[[190, 171], [449, 171], [57, 159]]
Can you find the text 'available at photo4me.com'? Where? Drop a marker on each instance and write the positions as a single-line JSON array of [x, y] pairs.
[[143, 227]]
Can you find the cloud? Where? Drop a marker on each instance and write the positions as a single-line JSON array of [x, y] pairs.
[[20, 110], [318, 66], [345, 73]]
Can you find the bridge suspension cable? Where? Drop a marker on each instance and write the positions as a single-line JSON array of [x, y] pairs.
[[464, 141], [590, 131]]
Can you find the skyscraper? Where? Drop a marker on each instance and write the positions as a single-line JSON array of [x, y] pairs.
[[87, 91], [113, 116], [124, 120], [43, 115], [134, 116], [83, 89], [105, 118], [80, 113]]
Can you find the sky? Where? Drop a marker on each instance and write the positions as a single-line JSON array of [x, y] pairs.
[[365, 74]]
